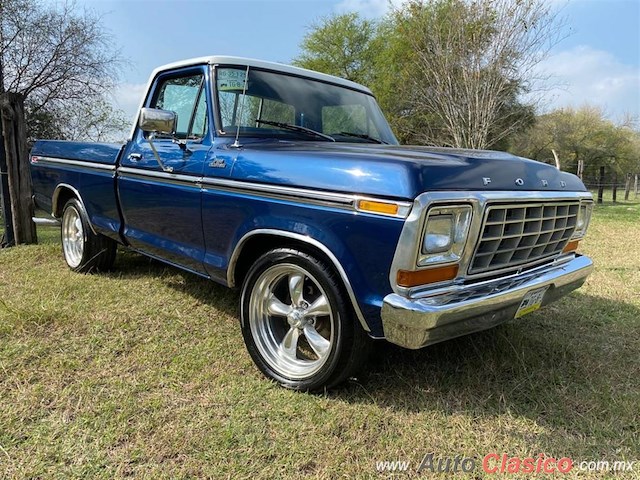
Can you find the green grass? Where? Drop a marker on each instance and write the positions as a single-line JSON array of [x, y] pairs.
[[143, 373]]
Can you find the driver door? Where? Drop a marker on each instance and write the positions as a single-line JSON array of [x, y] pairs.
[[162, 207]]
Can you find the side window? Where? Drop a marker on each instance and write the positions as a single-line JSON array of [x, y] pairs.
[[186, 97]]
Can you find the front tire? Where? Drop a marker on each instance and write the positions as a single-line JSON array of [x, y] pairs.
[[296, 325], [83, 250]]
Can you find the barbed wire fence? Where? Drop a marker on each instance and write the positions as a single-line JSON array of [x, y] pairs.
[[620, 187]]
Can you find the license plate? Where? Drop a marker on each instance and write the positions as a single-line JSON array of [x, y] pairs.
[[531, 302]]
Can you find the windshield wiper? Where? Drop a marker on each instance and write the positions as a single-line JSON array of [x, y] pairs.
[[364, 136], [297, 128]]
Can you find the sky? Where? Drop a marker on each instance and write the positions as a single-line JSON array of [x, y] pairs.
[[597, 63]]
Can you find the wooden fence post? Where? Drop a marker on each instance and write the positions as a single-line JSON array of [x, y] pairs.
[[6, 239], [557, 159], [615, 187], [601, 184], [19, 175], [580, 172]]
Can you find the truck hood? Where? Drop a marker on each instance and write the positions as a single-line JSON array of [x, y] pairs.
[[393, 171]]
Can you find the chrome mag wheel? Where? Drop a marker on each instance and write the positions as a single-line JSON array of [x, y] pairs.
[[72, 236], [291, 320]]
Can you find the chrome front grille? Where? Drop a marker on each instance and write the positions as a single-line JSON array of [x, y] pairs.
[[523, 233]]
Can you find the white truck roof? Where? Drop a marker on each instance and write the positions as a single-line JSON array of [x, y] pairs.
[[252, 62]]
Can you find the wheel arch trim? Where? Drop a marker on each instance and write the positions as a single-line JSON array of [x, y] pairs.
[[233, 261], [56, 195]]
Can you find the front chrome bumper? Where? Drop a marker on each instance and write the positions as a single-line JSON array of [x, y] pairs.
[[418, 322]]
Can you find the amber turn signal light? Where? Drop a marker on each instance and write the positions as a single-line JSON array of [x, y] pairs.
[[409, 278], [378, 207], [571, 246]]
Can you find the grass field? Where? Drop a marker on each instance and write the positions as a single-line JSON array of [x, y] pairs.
[[143, 373]]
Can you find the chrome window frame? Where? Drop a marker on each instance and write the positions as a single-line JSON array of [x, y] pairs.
[[409, 246]]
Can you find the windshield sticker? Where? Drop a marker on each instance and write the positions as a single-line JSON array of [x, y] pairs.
[[231, 79]]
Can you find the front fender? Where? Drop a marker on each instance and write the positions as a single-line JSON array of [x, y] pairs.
[[360, 245]]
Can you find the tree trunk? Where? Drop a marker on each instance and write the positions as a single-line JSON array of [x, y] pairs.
[[627, 187], [601, 184], [635, 187], [17, 155], [615, 187]]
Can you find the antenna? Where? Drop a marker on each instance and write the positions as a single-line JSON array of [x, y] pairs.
[[244, 97]]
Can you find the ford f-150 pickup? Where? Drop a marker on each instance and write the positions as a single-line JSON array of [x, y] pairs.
[[290, 185]]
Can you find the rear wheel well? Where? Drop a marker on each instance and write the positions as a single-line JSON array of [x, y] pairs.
[[64, 195]]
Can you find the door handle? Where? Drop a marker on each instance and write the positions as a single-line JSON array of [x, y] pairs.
[[135, 157]]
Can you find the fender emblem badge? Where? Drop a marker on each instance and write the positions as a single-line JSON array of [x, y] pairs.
[[545, 183], [486, 181], [217, 163], [519, 182]]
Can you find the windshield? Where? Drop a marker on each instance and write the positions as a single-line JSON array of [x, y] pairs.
[[277, 105]]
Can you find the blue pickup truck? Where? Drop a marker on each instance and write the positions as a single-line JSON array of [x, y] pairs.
[[290, 185]]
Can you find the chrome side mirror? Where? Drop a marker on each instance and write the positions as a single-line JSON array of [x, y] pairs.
[[154, 120], [157, 121]]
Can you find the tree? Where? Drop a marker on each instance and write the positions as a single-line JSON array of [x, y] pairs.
[[52, 57], [340, 45], [446, 72], [472, 62], [92, 119]]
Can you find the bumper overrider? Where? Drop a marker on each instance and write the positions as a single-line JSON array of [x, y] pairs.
[[415, 322]]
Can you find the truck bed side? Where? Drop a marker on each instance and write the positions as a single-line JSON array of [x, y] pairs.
[[61, 168]]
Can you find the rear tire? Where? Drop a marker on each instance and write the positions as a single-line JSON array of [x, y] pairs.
[[83, 250], [296, 324]]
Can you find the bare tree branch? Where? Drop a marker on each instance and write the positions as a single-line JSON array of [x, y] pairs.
[[472, 61]]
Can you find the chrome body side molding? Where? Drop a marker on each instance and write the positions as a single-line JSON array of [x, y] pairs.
[[36, 160], [279, 192], [163, 177]]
